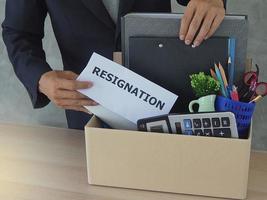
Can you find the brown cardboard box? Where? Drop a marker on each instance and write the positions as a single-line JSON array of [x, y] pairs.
[[207, 166]]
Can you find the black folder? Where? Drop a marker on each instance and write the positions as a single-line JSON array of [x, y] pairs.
[[169, 63]]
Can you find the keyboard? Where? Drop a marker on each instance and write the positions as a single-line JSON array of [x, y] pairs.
[[217, 124]]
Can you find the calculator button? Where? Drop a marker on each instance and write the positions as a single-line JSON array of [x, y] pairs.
[[198, 132], [222, 132], [187, 124], [215, 122], [188, 132], [197, 123], [206, 123], [207, 132], [225, 121], [157, 129], [178, 128]]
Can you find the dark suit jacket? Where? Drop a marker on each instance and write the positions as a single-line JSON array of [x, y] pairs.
[[81, 27]]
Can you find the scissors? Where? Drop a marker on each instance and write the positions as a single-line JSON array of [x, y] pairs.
[[251, 86]]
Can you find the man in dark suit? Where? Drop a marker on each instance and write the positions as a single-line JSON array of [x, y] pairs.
[[82, 27]]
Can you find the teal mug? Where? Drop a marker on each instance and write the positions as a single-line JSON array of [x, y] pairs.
[[206, 104]]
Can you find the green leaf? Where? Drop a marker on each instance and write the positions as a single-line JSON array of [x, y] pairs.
[[204, 85]]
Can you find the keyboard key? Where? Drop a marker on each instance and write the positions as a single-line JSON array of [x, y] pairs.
[[198, 132], [207, 132], [222, 132], [187, 124], [206, 123], [197, 123], [178, 128], [225, 121], [216, 122], [188, 132]]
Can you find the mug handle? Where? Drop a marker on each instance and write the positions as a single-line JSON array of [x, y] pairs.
[[192, 103]]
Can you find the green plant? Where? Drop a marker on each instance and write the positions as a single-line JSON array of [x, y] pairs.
[[204, 85]]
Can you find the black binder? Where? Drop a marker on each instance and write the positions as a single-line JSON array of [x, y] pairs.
[[169, 63]]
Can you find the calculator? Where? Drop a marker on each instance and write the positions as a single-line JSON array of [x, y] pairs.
[[215, 124]]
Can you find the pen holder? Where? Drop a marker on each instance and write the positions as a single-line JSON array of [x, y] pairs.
[[243, 113]]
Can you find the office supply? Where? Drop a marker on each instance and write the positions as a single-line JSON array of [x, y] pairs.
[[221, 124], [257, 99], [123, 92], [251, 86], [231, 66], [220, 75], [249, 80], [234, 94], [212, 73], [243, 113], [260, 88], [229, 63], [223, 76], [170, 66], [220, 79], [249, 94], [53, 166], [167, 25]]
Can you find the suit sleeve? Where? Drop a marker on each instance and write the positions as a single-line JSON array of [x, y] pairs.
[[23, 31], [185, 2]]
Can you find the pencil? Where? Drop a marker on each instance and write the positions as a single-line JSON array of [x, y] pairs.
[[257, 99], [223, 75], [219, 76], [212, 73]]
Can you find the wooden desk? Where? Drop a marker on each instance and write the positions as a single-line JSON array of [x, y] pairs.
[[43, 163]]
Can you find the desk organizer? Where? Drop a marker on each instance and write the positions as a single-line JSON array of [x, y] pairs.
[[243, 113], [208, 166]]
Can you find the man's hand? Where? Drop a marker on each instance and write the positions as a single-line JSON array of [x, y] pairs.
[[60, 87], [204, 16]]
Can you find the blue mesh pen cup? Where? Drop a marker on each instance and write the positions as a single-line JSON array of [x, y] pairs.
[[243, 113]]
